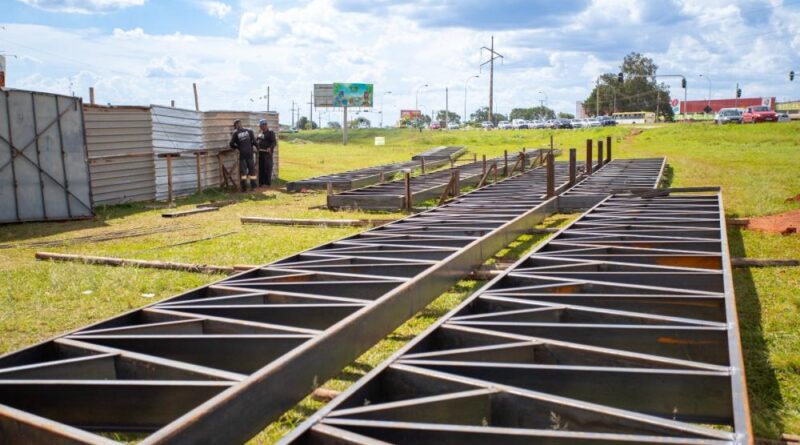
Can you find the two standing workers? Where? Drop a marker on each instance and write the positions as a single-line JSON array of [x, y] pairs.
[[246, 142]]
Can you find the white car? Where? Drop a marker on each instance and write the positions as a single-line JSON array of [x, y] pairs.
[[453, 126], [591, 123], [783, 116], [578, 123], [519, 124], [487, 125], [505, 125]]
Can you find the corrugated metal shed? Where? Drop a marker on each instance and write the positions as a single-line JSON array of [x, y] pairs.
[[176, 130], [43, 166], [217, 129], [120, 145]]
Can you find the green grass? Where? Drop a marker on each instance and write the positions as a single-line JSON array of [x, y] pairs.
[[756, 166]]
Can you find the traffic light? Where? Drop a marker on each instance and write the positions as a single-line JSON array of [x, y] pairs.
[[738, 92], [791, 76], [683, 83], [620, 78]]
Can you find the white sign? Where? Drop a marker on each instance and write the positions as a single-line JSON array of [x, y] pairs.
[[380, 140], [323, 95]]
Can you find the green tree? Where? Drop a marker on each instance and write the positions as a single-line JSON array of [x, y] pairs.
[[482, 114], [533, 113], [335, 125], [638, 91], [304, 124], [359, 121], [453, 117], [563, 115]]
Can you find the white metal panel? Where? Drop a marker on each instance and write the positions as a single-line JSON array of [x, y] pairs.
[[176, 130]]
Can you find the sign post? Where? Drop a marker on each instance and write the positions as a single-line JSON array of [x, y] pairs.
[[344, 127]]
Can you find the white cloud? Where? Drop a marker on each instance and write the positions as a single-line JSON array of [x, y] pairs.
[[83, 6], [217, 9]]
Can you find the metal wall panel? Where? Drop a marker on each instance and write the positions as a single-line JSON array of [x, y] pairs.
[[43, 160], [176, 130], [120, 146]]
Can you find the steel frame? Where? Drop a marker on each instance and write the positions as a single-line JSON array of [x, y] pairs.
[[391, 195], [622, 328], [220, 362], [616, 175], [352, 179]]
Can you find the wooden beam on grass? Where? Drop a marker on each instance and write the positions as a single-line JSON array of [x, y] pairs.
[[122, 262], [314, 222]]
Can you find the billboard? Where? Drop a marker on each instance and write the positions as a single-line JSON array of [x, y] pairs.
[[676, 106], [411, 114], [323, 95], [352, 94]]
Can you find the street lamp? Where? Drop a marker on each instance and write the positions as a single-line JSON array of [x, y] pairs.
[[465, 93], [709, 88], [546, 99], [384, 94]]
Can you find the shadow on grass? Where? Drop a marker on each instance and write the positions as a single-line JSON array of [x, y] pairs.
[[766, 401]]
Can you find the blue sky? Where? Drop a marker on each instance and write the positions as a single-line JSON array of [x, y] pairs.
[[151, 51]]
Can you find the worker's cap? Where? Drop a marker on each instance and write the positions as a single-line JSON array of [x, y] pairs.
[[263, 122], [237, 121]]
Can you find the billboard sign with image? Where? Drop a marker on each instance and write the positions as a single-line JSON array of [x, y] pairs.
[[352, 94]]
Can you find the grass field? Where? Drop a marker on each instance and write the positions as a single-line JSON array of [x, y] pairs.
[[757, 166]]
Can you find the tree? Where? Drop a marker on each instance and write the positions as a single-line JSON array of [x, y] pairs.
[[482, 114], [304, 124], [563, 115], [359, 121], [452, 117], [638, 91], [335, 125], [533, 113]]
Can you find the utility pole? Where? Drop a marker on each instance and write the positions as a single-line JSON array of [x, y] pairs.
[[267, 97], [492, 56], [446, 107], [293, 115], [310, 112]]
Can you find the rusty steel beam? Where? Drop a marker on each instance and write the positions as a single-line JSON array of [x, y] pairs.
[[622, 328]]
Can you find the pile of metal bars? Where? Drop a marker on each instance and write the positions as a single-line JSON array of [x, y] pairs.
[[621, 329]]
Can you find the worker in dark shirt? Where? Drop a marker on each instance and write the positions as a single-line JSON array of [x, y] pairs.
[[266, 143], [244, 140]]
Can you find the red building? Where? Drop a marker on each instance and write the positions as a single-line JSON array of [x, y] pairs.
[[698, 106]]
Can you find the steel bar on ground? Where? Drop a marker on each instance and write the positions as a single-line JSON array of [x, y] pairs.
[[218, 363], [622, 328]]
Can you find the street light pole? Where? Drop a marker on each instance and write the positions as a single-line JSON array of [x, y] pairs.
[[382, 95], [465, 94], [546, 99]]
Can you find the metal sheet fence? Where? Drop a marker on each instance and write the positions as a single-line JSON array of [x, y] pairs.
[[43, 163], [620, 329]]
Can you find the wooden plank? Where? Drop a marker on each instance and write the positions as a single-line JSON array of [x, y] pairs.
[[194, 211], [121, 262]]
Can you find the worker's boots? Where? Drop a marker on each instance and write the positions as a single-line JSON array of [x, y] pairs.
[[253, 184], [243, 185]]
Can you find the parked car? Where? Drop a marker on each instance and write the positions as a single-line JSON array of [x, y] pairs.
[[504, 125], [537, 124], [519, 124], [487, 125], [784, 117], [453, 126], [761, 113], [728, 116], [578, 123], [591, 123], [606, 121], [435, 126]]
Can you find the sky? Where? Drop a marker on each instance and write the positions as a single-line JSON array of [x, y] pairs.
[[138, 52]]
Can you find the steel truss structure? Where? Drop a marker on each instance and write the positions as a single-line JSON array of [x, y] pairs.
[[621, 329], [433, 158], [391, 195], [220, 362]]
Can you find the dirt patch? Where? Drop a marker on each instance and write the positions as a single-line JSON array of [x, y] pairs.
[[633, 133], [795, 198], [784, 223]]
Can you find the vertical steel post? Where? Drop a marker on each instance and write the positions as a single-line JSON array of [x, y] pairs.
[[422, 164], [484, 165], [196, 100], [599, 153], [573, 154], [169, 178], [329, 188], [588, 156], [505, 167], [551, 176], [522, 162], [199, 177], [457, 183], [608, 149], [91, 95], [408, 190]]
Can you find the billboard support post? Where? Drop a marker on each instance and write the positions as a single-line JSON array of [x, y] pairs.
[[344, 127]]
